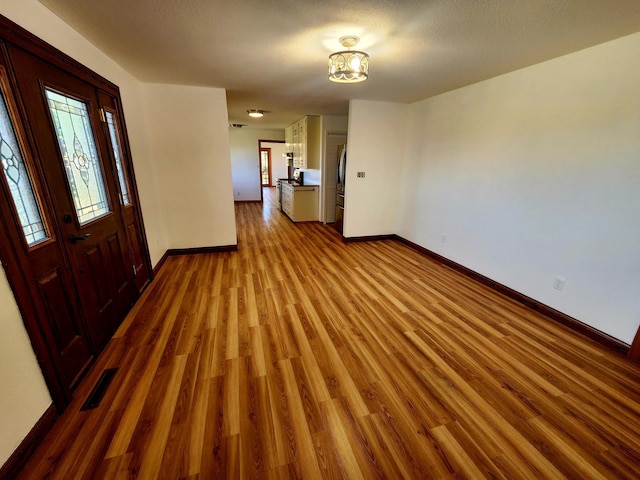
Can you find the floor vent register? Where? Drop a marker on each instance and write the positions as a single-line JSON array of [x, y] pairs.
[[97, 394]]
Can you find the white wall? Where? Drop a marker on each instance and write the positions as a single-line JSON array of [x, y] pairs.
[[376, 147], [245, 161], [190, 146], [23, 393], [536, 175]]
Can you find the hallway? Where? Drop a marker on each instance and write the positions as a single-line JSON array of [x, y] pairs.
[[300, 356]]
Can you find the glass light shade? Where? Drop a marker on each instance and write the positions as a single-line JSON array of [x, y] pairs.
[[348, 66], [255, 113]]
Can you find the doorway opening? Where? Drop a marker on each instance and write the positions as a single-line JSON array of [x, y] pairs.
[[333, 141], [265, 167], [272, 151]]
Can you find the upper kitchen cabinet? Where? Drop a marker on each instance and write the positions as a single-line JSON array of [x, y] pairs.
[[305, 136], [296, 145], [288, 138]]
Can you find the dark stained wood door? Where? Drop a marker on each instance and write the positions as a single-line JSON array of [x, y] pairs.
[[64, 115], [33, 253]]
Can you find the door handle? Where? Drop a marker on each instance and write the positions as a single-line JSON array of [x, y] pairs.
[[81, 238]]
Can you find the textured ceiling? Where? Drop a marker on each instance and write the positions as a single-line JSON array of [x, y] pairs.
[[272, 54]]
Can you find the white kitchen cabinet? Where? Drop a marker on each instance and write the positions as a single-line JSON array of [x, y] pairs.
[[305, 134], [287, 199], [300, 202], [288, 138], [296, 145]]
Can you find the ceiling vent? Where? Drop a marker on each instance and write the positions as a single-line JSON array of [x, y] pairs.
[[237, 125]]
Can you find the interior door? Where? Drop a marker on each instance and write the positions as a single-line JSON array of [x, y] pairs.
[[64, 115]]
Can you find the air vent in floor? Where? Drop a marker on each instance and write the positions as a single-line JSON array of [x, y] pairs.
[[96, 395]]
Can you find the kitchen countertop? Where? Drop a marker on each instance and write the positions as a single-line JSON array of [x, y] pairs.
[[297, 185]]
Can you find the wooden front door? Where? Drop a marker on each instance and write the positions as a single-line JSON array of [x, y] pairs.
[[64, 114], [72, 240], [33, 253]]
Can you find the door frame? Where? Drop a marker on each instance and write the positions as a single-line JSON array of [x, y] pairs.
[[268, 152], [12, 254], [329, 163], [260, 147]]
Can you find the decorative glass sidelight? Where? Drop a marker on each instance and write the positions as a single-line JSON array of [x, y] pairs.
[[19, 182], [80, 156], [114, 134]]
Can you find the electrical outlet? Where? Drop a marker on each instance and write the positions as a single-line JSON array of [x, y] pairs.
[[558, 283], [443, 238], [360, 174]]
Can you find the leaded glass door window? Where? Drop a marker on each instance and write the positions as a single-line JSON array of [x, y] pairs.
[[115, 131], [79, 155], [18, 179], [114, 136]]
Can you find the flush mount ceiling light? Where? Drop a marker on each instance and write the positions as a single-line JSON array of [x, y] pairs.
[[348, 66], [255, 113]]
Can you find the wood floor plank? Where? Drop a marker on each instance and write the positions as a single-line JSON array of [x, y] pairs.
[[300, 357], [464, 464], [120, 441], [342, 446], [197, 423], [305, 455]]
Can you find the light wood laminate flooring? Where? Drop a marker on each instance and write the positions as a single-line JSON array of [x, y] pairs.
[[300, 356]]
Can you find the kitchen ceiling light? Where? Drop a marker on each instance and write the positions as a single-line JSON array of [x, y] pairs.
[[255, 113], [349, 66]]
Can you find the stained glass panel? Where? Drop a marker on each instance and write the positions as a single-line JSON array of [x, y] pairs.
[[19, 182], [117, 152], [80, 156]]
